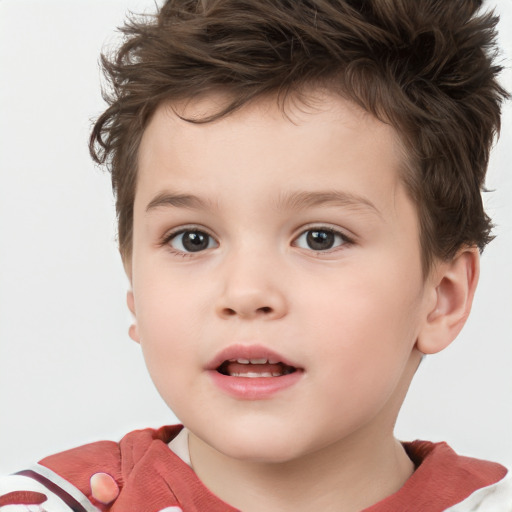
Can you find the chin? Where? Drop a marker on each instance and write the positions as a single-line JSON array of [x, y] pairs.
[[260, 444], [264, 455]]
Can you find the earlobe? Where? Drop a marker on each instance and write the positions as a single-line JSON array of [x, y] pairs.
[[453, 287], [132, 331]]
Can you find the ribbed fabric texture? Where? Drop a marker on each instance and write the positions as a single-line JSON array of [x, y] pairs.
[[151, 477]]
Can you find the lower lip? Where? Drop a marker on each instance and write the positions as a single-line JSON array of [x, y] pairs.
[[254, 388]]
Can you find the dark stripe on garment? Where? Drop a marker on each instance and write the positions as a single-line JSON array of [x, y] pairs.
[[53, 487]]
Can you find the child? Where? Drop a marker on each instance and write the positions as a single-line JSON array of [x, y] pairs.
[[298, 193]]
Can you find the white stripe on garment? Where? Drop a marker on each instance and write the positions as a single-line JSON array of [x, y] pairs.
[[65, 485], [12, 483], [54, 503]]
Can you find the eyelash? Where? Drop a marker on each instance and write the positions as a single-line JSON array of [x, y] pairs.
[[186, 229], [343, 239]]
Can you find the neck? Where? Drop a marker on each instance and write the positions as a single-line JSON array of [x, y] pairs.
[[348, 476]]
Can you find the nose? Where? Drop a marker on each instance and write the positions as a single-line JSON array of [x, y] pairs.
[[252, 288]]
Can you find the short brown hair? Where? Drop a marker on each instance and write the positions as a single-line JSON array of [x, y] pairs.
[[427, 67]]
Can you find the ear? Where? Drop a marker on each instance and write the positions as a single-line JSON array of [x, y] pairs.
[[130, 300], [132, 331], [453, 288]]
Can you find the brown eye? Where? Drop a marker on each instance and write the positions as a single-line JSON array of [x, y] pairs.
[[320, 239], [192, 241]]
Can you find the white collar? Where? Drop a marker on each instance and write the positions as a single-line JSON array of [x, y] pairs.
[[179, 445]]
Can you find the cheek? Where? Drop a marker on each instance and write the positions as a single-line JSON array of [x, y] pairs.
[[167, 326], [367, 328], [367, 302], [362, 352]]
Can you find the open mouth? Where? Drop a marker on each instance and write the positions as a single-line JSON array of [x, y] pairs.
[[255, 368], [251, 372]]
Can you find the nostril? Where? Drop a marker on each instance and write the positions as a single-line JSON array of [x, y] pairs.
[[265, 310]]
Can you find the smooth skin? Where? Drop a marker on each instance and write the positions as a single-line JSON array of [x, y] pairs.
[[355, 314]]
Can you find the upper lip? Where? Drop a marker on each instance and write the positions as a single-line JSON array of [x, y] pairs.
[[240, 351]]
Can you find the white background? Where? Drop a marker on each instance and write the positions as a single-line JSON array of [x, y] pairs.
[[69, 374]]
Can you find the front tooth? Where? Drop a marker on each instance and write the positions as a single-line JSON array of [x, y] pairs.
[[259, 361], [253, 375], [243, 361]]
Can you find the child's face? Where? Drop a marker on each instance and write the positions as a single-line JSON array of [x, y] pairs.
[[263, 237]]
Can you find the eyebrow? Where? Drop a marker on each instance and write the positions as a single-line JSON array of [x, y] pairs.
[[298, 200], [307, 199], [176, 200]]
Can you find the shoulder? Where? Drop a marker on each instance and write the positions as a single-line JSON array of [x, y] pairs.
[[492, 498], [459, 483], [446, 481], [38, 489], [61, 482], [440, 461]]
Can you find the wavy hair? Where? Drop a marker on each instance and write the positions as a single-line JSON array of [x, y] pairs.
[[427, 67]]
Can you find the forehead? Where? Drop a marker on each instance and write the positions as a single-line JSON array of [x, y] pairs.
[[315, 142]]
